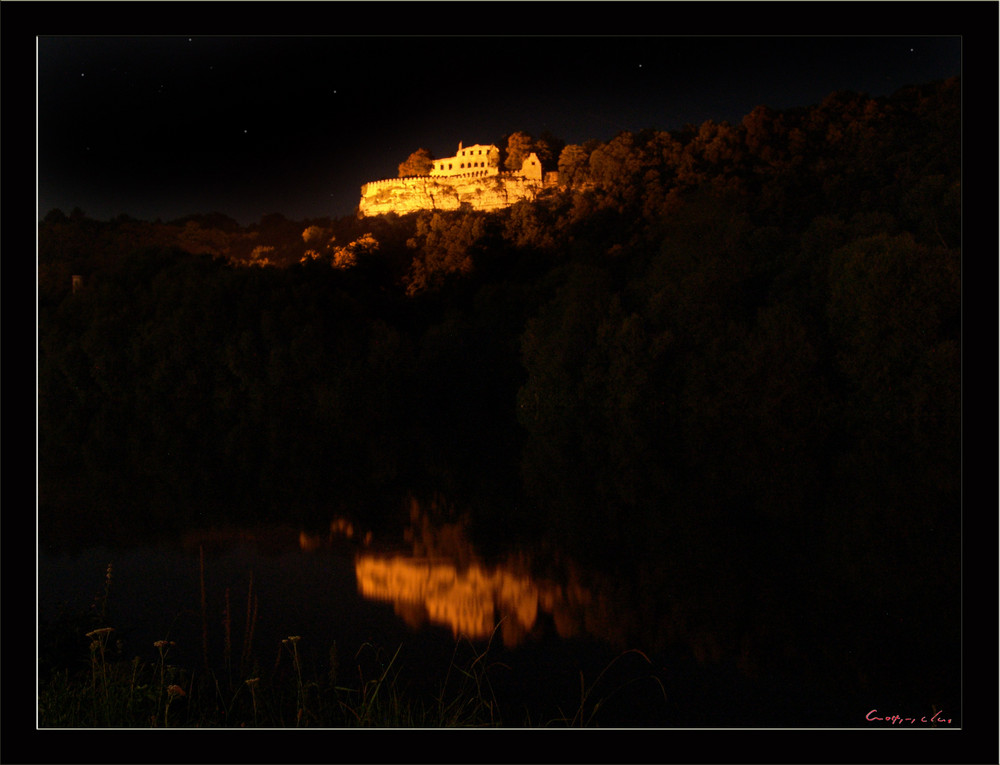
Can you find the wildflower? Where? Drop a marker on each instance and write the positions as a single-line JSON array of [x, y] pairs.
[[252, 682], [163, 643], [294, 638], [100, 632], [175, 690]]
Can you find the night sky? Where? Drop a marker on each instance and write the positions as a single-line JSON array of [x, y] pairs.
[[158, 127]]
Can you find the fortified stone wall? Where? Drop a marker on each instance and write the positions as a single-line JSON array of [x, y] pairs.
[[406, 195]]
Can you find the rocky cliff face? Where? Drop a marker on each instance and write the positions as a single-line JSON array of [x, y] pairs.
[[406, 195]]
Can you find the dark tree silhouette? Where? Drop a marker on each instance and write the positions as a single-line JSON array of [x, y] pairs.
[[420, 162]]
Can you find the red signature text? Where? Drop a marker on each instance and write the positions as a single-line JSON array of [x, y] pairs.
[[936, 718]]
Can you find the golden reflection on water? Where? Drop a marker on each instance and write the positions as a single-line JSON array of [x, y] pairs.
[[441, 581], [339, 527], [435, 577], [469, 601]]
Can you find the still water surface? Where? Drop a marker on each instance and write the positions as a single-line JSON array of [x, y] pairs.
[[649, 637], [546, 625]]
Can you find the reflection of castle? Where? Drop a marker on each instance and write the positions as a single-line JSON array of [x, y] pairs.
[[440, 580], [470, 601], [472, 178], [437, 578]]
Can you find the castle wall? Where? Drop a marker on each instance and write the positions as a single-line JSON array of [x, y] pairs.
[[428, 192]]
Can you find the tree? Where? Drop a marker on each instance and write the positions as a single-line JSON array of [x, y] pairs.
[[445, 245], [261, 255], [195, 239], [347, 257], [316, 236], [420, 162], [573, 165], [519, 146], [548, 148]]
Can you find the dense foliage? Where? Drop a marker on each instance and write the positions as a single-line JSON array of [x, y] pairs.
[[744, 339]]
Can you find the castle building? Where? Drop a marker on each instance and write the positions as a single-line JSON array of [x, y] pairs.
[[476, 160], [472, 178]]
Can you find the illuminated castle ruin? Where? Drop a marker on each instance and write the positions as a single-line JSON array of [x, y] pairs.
[[471, 161], [472, 178]]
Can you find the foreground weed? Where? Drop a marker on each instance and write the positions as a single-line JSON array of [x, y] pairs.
[[102, 601], [252, 684], [173, 692], [590, 703], [472, 702], [378, 699], [251, 623], [163, 646], [99, 667], [292, 644], [112, 691]]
